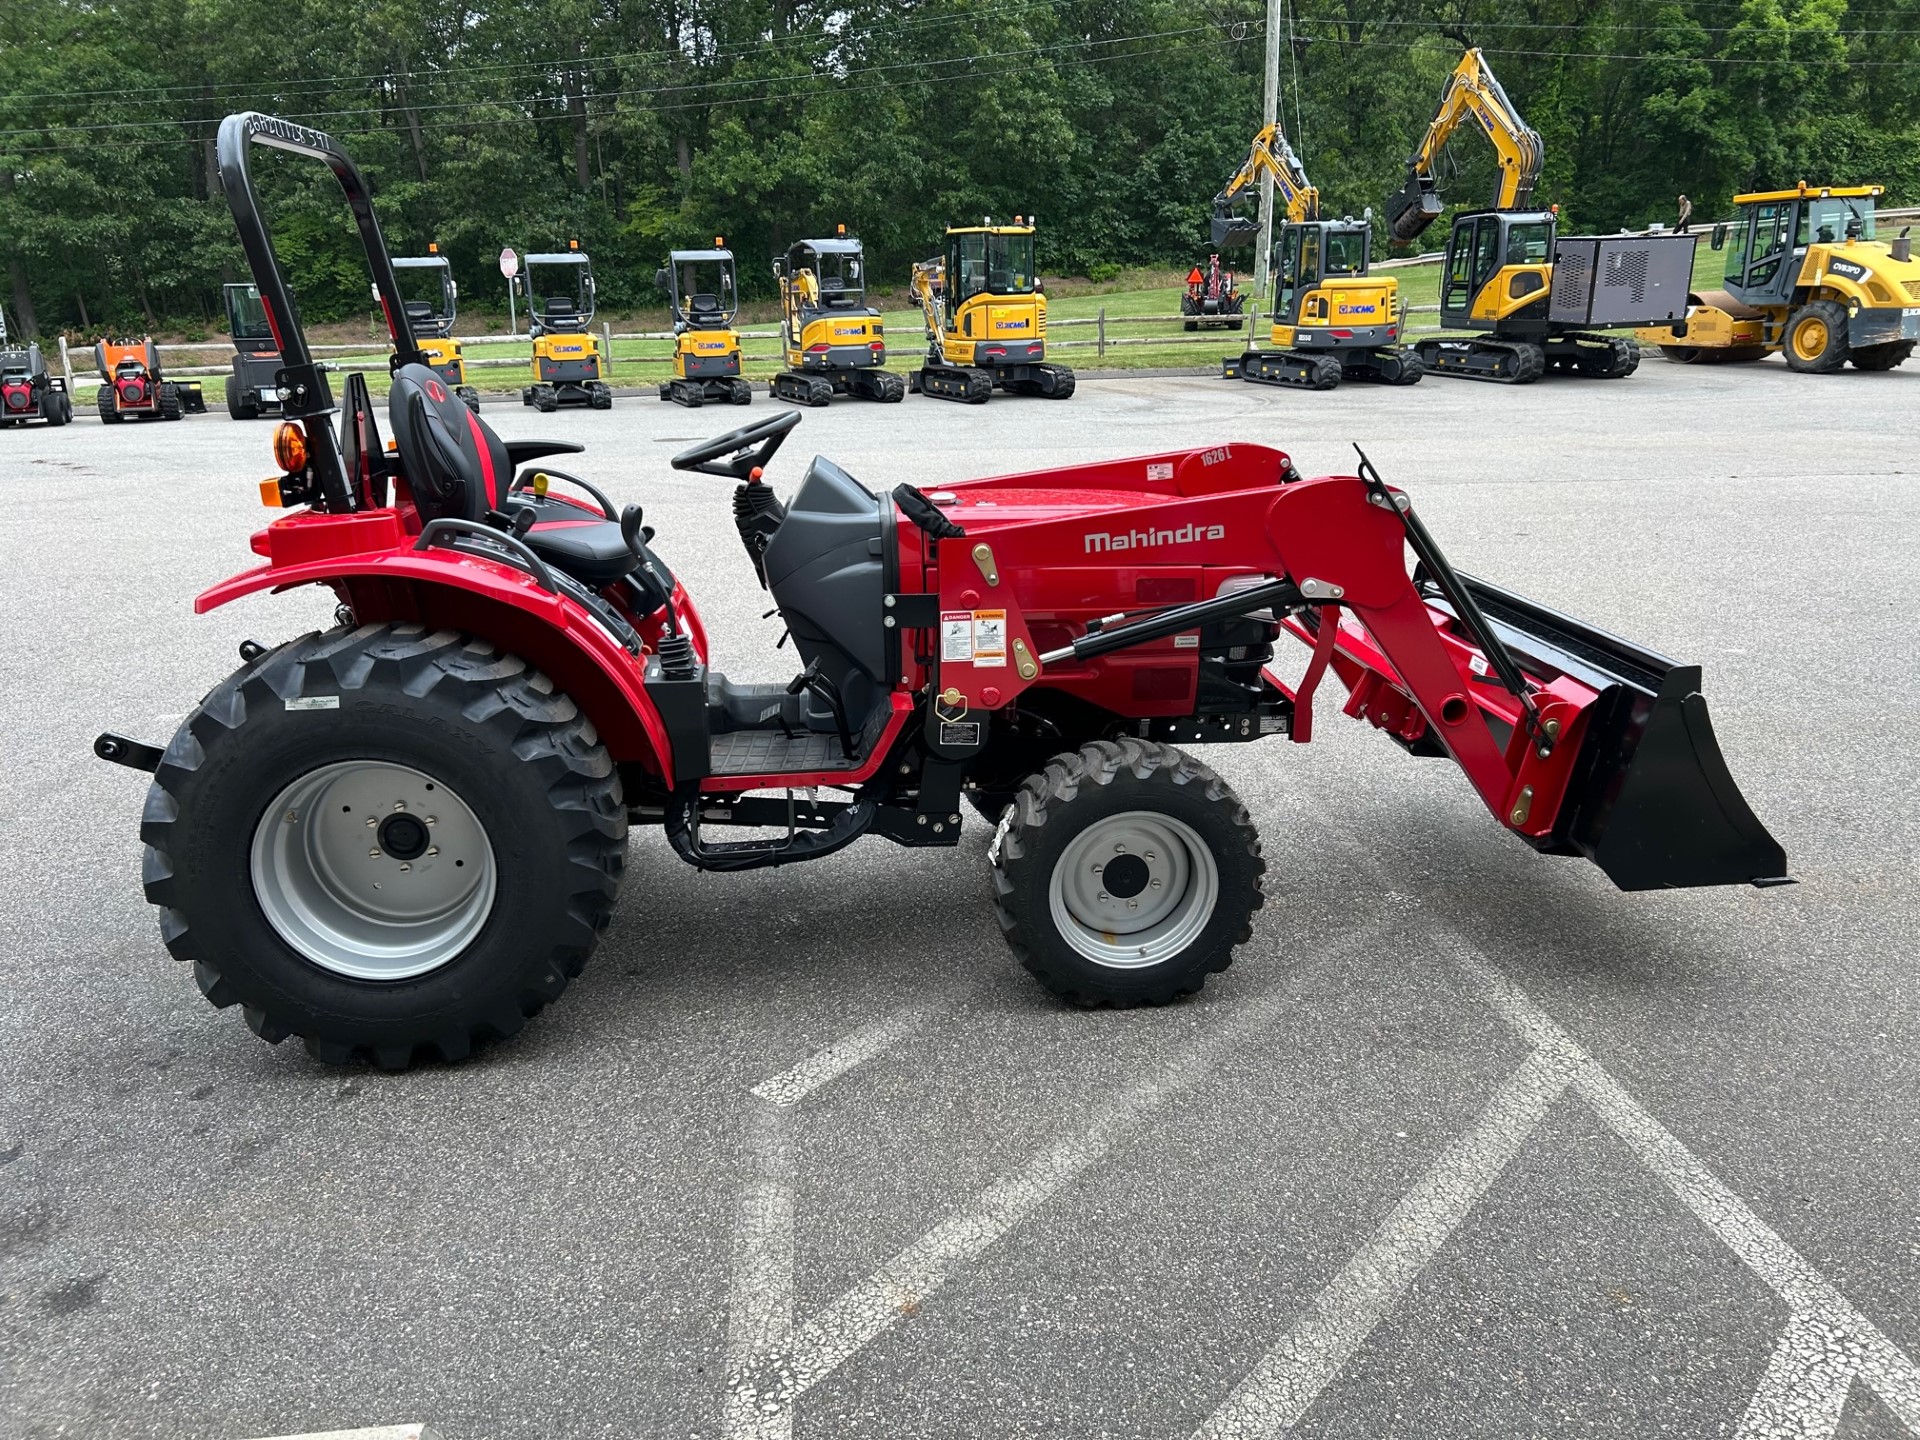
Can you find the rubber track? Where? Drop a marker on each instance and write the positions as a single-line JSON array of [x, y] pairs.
[[1530, 362], [536, 725], [1098, 763]]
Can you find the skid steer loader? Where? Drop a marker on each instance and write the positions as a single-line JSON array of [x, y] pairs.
[[835, 343], [433, 306], [253, 389], [28, 390], [403, 836], [700, 290], [986, 318], [567, 363], [1805, 275], [134, 388]]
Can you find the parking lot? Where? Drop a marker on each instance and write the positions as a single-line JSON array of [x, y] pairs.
[[1466, 1143]]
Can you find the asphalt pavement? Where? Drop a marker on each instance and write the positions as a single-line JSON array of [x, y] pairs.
[[1466, 1143]]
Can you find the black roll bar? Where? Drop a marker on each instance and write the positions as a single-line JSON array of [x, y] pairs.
[[302, 380]]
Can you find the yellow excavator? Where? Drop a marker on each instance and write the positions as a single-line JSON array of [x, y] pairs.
[[567, 364], [432, 308], [835, 343], [1534, 299], [1331, 320], [986, 317], [700, 290], [1805, 274]]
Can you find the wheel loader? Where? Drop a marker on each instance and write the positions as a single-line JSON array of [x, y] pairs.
[[1530, 298], [702, 294], [1805, 275], [134, 388], [835, 343], [402, 836], [567, 363], [433, 306], [28, 390], [986, 318], [253, 389], [1331, 318]]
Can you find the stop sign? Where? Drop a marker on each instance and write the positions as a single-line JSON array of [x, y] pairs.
[[509, 263]]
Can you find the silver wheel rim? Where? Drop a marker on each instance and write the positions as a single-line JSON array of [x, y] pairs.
[[1165, 886], [373, 871]]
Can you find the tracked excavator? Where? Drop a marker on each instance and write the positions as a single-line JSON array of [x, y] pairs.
[[1532, 298], [986, 317], [835, 343], [1331, 319]]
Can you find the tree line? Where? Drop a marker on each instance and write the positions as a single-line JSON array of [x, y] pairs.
[[636, 126]]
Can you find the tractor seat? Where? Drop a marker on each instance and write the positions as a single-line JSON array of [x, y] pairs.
[[560, 308], [418, 310], [458, 469]]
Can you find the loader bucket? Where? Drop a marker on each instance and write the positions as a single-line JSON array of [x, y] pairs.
[[1234, 230], [1651, 801]]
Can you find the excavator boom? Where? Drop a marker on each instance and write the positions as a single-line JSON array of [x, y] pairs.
[[1471, 91], [1270, 154]]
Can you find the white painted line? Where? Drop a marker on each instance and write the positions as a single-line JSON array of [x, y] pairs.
[[759, 1399], [1804, 1389], [371, 1432], [1808, 1294], [1283, 1386], [790, 1087]]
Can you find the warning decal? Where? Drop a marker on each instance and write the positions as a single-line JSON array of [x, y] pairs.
[[1162, 471], [956, 636], [989, 637]]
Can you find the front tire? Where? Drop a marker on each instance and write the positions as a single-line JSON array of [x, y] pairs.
[[1125, 873], [298, 849], [1816, 341]]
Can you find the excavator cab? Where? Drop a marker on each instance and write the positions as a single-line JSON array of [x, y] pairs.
[[1498, 271], [701, 292], [559, 291], [986, 317], [835, 343], [432, 301]]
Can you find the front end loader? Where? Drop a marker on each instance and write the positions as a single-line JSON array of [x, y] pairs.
[[567, 364], [403, 836], [704, 298], [835, 343], [134, 388], [28, 390], [1805, 276], [985, 317]]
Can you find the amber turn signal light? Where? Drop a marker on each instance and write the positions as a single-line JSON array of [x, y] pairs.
[[290, 447]]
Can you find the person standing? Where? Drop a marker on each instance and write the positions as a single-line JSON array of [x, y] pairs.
[[1686, 214]]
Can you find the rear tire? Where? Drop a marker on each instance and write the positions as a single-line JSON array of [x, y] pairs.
[[56, 409], [1882, 357], [1816, 339], [169, 402], [104, 402], [1192, 878], [278, 915]]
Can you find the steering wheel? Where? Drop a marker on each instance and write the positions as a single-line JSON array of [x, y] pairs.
[[751, 447]]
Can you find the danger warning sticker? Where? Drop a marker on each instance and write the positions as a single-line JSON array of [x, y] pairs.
[[956, 636], [1160, 471], [989, 637]]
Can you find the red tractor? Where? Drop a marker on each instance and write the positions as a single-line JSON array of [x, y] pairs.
[[134, 388], [1213, 300], [403, 835]]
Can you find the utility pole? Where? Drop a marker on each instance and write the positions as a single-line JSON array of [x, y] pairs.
[[1269, 112]]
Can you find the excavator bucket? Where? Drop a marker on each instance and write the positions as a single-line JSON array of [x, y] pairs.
[[1651, 800], [1230, 231], [1412, 208]]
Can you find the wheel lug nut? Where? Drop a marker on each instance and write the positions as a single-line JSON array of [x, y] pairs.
[[399, 805], [435, 850], [292, 816], [1103, 895], [371, 822], [433, 819], [374, 854], [1119, 849], [1150, 856], [1131, 904], [1154, 883], [1098, 867], [405, 868]]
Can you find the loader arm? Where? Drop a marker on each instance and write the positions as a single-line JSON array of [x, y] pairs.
[[1471, 92], [928, 274], [1270, 154]]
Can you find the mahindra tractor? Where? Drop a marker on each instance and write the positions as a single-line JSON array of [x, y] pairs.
[[404, 834]]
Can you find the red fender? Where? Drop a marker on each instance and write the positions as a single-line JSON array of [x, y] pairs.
[[446, 589]]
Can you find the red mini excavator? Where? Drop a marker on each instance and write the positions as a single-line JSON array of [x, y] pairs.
[[404, 834]]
